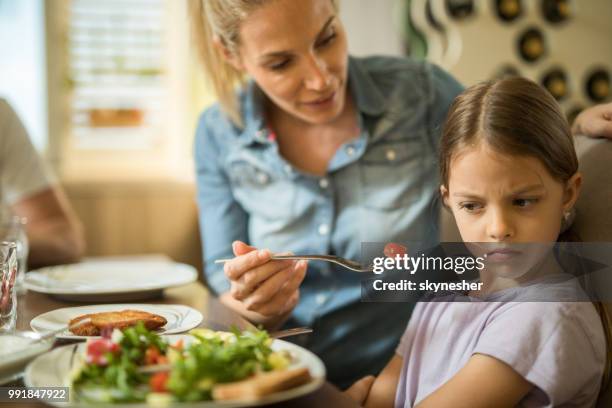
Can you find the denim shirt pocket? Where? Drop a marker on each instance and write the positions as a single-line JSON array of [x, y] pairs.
[[260, 191], [391, 173]]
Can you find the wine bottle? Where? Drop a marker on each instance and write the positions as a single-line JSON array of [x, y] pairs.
[[573, 112], [556, 11], [460, 9], [555, 81], [508, 10], [531, 45], [598, 85], [506, 71]]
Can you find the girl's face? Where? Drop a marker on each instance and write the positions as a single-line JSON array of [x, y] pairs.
[[501, 202], [297, 53]]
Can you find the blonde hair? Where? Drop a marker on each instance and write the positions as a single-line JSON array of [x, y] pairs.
[[219, 20]]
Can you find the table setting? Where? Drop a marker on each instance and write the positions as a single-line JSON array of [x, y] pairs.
[[36, 320]]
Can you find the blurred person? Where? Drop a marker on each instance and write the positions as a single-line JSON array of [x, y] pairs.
[[595, 121], [28, 190]]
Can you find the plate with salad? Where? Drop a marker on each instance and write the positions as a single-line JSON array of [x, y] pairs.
[[138, 367]]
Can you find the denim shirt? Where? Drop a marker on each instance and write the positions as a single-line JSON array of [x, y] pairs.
[[379, 187]]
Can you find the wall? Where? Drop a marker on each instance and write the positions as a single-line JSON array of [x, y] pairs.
[[372, 26]]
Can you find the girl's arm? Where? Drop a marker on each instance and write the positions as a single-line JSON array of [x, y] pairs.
[[483, 382], [382, 393]]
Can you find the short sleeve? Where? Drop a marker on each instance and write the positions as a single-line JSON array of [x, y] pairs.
[[22, 171], [410, 333], [558, 347]]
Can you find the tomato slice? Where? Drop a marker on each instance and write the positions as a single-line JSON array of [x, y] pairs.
[[158, 381], [152, 355]]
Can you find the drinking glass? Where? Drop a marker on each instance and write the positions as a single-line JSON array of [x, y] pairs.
[[8, 291], [13, 229]]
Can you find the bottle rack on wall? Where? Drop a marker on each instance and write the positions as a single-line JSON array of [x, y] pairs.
[[565, 45]]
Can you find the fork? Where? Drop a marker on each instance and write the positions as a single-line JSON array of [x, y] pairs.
[[346, 263]]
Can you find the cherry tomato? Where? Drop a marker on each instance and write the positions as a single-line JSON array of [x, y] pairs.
[[392, 250], [97, 349]]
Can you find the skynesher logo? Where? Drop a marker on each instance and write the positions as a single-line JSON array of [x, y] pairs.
[[424, 263]]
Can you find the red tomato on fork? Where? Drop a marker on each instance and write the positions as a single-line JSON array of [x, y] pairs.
[[393, 249]]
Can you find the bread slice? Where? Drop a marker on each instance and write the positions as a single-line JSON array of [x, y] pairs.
[[262, 384], [115, 320]]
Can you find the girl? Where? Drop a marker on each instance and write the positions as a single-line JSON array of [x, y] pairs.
[[509, 175]]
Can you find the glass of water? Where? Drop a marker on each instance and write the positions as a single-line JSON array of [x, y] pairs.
[[8, 291], [13, 229]]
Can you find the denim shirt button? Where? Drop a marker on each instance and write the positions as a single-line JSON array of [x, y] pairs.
[[262, 178], [324, 183], [350, 150], [320, 299], [323, 229], [391, 155]]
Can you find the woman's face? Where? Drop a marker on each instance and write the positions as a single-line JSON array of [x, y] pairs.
[[296, 51], [509, 207]]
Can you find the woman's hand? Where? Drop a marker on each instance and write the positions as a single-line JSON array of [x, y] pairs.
[[267, 287], [595, 121]]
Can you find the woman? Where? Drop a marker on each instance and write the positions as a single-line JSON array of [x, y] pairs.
[[318, 153]]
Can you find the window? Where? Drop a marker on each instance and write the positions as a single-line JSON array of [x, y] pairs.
[[22, 70], [120, 75]]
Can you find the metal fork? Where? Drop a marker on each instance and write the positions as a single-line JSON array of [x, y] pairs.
[[346, 263]]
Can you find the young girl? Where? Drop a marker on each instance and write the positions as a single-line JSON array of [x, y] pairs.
[[509, 176]]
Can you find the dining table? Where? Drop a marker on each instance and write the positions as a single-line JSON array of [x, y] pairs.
[[216, 316]]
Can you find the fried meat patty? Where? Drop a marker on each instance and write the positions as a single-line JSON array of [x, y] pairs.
[[115, 320]]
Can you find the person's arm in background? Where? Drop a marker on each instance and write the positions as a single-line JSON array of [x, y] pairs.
[[54, 233], [595, 121], [263, 291]]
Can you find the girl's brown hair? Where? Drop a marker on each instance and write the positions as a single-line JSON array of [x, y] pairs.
[[219, 20], [512, 116], [516, 116]]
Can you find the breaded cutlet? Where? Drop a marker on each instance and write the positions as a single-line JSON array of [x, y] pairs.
[[115, 320]]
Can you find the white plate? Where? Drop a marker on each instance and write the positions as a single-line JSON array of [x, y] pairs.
[[110, 280], [14, 361], [52, 370], [179, 318]]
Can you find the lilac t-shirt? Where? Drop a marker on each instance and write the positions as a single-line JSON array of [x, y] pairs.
[[557, 346]]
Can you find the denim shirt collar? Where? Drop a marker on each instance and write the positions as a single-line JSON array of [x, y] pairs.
[[252, 104], [366, 94]]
